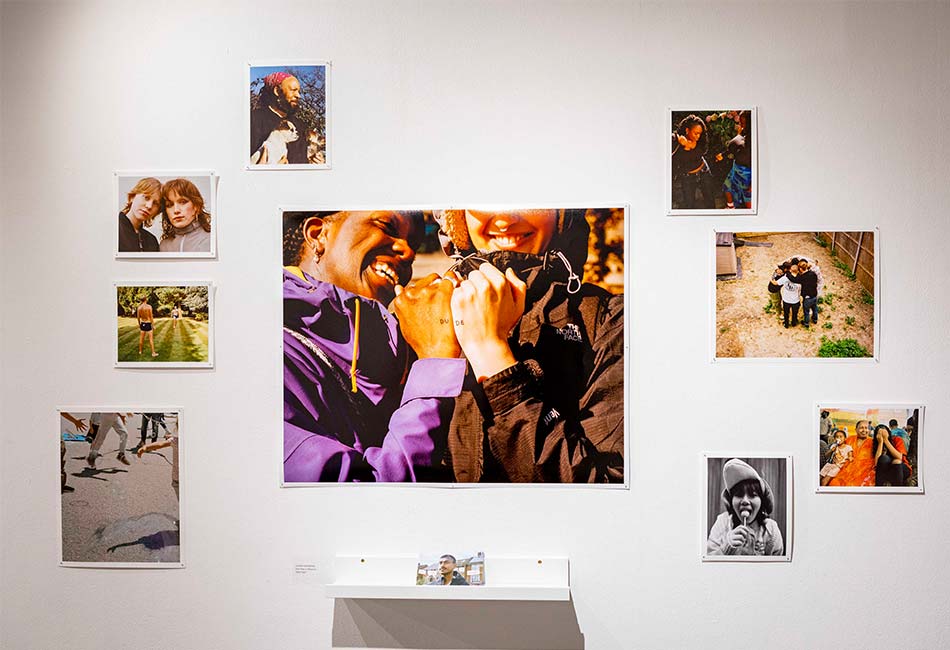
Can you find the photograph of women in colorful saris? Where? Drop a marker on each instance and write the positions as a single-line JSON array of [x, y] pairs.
[[869, 448], [712, 168]]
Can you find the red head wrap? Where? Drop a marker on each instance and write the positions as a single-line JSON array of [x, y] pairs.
[[273, 79]]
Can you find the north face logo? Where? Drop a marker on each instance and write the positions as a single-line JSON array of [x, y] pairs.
[[571, 332]]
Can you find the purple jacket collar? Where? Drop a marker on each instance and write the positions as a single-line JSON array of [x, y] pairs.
[[325, 314]]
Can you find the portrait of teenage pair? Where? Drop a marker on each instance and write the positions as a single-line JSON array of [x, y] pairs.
[[503, 364], [164, 216]]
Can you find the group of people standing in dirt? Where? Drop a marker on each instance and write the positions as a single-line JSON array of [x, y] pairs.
[[798, 282]]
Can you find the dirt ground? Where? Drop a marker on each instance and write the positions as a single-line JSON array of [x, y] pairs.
[[745, 329]]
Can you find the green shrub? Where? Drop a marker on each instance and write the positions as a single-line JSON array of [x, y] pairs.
[[848, 348], [827, 326], [849, 320], [866, 297]]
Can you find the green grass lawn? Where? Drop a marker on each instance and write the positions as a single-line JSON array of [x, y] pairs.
[[189, 342]]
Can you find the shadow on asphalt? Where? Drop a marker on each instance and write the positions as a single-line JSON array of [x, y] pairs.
[[88, 472], [153, 542]]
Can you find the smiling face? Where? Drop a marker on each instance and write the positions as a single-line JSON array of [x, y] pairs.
[[180, 211], [694, 132], [366, 253], [840, 437], [524, 231], [144, 206], [746, 500], [862, 429]]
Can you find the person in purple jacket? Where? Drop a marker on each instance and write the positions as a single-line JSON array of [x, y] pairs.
[[367, 397]]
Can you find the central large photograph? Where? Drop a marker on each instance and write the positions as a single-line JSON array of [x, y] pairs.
[[454, 346]]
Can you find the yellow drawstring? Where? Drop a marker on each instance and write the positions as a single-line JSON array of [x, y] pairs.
[[356, 346]]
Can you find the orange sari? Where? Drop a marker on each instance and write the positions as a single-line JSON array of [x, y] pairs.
[[860, 471]]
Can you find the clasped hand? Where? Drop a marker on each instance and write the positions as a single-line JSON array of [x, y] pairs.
[[440, 319]]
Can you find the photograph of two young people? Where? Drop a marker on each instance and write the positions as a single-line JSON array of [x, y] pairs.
[[454, 346]]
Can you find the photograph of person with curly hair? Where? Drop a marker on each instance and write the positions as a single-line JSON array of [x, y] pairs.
[[713, 163], [165, 214]]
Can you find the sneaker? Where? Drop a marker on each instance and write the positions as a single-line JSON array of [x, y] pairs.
[[122, 459], [814, 320], [67, 488], [786, 325]]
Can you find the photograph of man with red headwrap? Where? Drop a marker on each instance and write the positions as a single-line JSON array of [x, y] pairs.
[[288, 123]]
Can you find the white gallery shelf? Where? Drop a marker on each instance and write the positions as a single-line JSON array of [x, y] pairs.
[[507, 578]]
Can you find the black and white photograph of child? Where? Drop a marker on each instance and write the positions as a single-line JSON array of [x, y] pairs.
[[167, 214], [451, 569], [120, 502], [795, 295], [712, 167], [748, 508], [289, 116]]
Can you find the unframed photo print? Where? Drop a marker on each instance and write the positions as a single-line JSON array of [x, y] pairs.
[[451, 569], [166, 214], [869, 447], [164, 325], [796, 295], [386, 401], [713, 165], [119, 484], [748, 508], [289, 116]]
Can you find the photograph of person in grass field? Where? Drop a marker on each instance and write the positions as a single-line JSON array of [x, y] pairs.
[[162, 325]]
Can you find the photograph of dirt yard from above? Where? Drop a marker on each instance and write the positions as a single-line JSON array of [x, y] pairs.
[[795, 294]]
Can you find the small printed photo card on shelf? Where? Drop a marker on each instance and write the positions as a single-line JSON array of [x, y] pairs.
[[451, 569]]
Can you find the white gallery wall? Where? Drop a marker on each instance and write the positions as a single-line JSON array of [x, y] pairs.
[[464, 103]]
